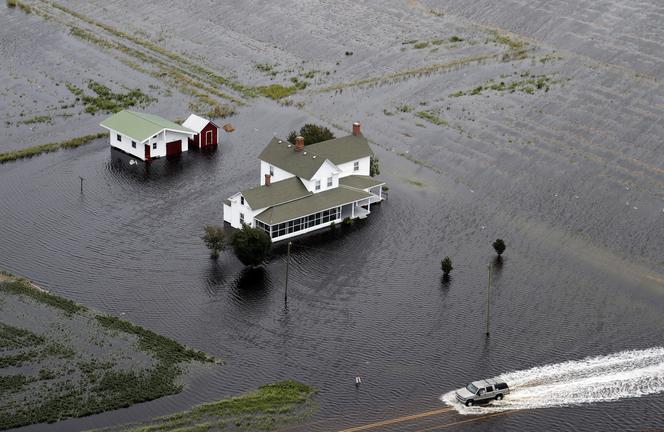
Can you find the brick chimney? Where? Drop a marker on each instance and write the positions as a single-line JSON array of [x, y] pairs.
[[356, 128], [299, 143], [268, 177]]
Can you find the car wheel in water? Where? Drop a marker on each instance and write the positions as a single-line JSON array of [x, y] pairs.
[[499, 397], [469, 403]]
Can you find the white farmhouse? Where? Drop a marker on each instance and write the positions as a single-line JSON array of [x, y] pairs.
[[308, 188], [146, 136]]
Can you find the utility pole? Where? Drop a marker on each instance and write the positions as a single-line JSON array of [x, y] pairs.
[[287, 265], [488, 301]]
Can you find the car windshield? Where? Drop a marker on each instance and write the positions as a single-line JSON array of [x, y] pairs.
[[471, 388]]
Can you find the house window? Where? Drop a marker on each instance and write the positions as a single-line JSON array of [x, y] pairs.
[[154, 146], [317, 184], [241, 218], [119, 137], [242, 200], [356, 166], [133, 144], [271, 170], [329, 181]]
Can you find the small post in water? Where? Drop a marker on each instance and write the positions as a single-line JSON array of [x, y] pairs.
[[81, 183], [488, 301], [287, 265]]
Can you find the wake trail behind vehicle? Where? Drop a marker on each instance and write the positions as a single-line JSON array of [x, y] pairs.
[[626, 374]]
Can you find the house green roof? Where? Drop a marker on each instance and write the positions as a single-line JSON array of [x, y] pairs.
[[360, 182], [342, 150], [282, 154], [140, 126], [311, 204], [305, 163], [277, 193]]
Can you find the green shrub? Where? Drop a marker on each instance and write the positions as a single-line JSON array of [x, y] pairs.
[[252, 246], [312, 133]]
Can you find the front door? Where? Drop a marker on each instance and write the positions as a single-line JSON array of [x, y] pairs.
[[147, 152], [208, 138]]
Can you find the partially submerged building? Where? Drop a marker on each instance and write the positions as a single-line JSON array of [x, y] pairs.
[[305, 188], [146, 136], [206, 132]]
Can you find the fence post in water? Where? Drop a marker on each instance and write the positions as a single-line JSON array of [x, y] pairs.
[[287, 265], [81, 183], [488, 301]]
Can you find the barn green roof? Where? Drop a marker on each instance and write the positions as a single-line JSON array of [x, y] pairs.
[[140, 126], [311, 204]]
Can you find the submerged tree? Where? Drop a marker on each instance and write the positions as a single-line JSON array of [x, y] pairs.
[[499, 246], [312, 133], [374, 167], [446, 265], [215, 239], [252, 246]]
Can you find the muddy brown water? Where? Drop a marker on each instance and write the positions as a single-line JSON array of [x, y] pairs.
[[572, 179]]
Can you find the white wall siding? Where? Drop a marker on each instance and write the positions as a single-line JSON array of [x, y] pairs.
[[125, 144], [279, 174], [326, 170], [347, 168], [161, 139]]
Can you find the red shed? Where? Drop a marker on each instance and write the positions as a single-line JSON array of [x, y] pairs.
[[207, 133]]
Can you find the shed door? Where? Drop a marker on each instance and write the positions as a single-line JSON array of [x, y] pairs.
[[208, 138], [173, 148]]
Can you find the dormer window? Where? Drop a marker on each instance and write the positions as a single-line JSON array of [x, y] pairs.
[[317, 184], [329, 181], [242, 200], [356, 166]]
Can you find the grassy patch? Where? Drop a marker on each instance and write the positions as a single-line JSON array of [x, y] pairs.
[[403, 74], [24, 288], [277, 91], [455, 39], [106, 100], [36, 119], [47, 148], [165, 349], [431, 117], [267, 408], [23, 6], [421, 45], [526, 83], [415, 182], [60, 382], [505, 39]]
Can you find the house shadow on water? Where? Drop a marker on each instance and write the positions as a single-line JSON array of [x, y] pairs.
[[126, 166]]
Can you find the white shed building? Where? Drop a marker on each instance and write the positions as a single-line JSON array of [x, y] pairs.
[[146, 136]]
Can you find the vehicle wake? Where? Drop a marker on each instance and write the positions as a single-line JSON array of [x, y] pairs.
[[626, 374]]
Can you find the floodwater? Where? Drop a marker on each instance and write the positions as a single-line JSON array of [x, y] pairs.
[[572, 179]]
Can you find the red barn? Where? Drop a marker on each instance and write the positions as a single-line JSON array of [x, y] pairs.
[[207, 133]]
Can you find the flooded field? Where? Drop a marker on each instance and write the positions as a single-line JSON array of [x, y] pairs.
[[482, 133]]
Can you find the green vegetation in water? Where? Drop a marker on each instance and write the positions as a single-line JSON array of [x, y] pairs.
[[23, 6], [165, 349], [431, 117], [455, 39], [505, 39], [36, 119], [47, 148], [60, 382], [269, 407], [278, 91], [108, 101], [405, 108], [24, 288], [528, 84], [421, 45]]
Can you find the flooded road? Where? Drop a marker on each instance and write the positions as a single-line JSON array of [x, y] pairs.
[[571, 178]]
